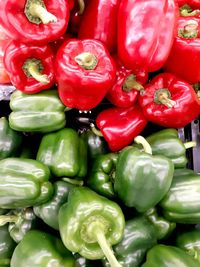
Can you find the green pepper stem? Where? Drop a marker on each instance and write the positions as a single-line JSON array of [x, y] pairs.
[[34, 72], [95, 131], [190, 144], [39, 11], [73, 181], [81, 4], [86, 60], [4, 219], [163, 98], [141, 140], [187, 11], [131, 84], [190, 30]]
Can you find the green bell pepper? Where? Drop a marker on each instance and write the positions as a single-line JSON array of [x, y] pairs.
[[182, 202], [40, 249], [48, 211], [7, 246], [89, 224], [83, 262], [64, 152], [142, 180], [168, 256], [20, 222], [10, 140], [23, 183], [42, 112], [102, 174]]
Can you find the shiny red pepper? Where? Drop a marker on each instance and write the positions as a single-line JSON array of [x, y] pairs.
[[184, 58], [100, 22], [120, 126], [4, 41], [125, 91], [29, 67], [71, 4], [146, 31], [35, 22], [169, 101], [85, 72]]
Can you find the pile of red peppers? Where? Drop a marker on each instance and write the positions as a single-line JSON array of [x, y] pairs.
[[140, 56]]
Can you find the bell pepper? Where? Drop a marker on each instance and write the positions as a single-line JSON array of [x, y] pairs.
[[10, 140], [189, 8], [64, 152], [42, 112], [139, 236], [167, 97], [181, 204], [82, 262], [4, 41], [76, 15], [7, 246], [85, 72], [190, 242], [35, 22], [168, 256], [102, 174], [119, 126], [145, 43], [20, 222], [89, 224], [42, 249], [29, 67], [124, 93], [99, 22], [48, 211], [142, 179], [23, 183]]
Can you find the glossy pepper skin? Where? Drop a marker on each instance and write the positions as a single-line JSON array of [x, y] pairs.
[[120, 126], [185, 50], [143, 43], [142, 180], [139, 236], [64, 152], [42, 248], [48, 211], [24, 183], [99, 22], [85, 219], [124, 93], [42, 112], [167, 97], [21, 21], [168, 256], [30, 67], [85, 72], [102, 174], [10, 140], [181, 203]]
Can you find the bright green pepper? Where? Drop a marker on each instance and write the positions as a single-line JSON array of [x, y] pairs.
[[83, 262], [7, 246], [102, 174], [182, 202], [10, 140], [168, 256], [64, 152], [40, 249], [89, 224], [42, 112], [23, 183]]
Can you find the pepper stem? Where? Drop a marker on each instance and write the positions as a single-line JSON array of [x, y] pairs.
[[33, 68], [95, 131], [162, 96], [81, 4], [190, 30], [190, 144], [73, 181], [4, 219], [187, 11], [141, 140], [86, 60], [131, 84]]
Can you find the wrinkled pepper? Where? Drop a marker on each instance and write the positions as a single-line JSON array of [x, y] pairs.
[[89, 224], [142, 179], [42, 249], [29, 67], [42, 112], [64, 152], [23, 183], [85, 72]]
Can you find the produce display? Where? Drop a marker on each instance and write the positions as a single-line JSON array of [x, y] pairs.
[[99, 133]]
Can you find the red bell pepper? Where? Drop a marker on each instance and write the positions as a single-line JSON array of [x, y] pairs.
[[119, 126], [35, 22], [184, 58], [71, 4], [85, 72], [76, 16], [125, 91], [4, 41], [29, 67], [169, 101], [100, 22], [146, 31]]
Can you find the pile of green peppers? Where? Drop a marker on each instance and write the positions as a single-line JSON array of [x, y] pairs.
[[67, 201]]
